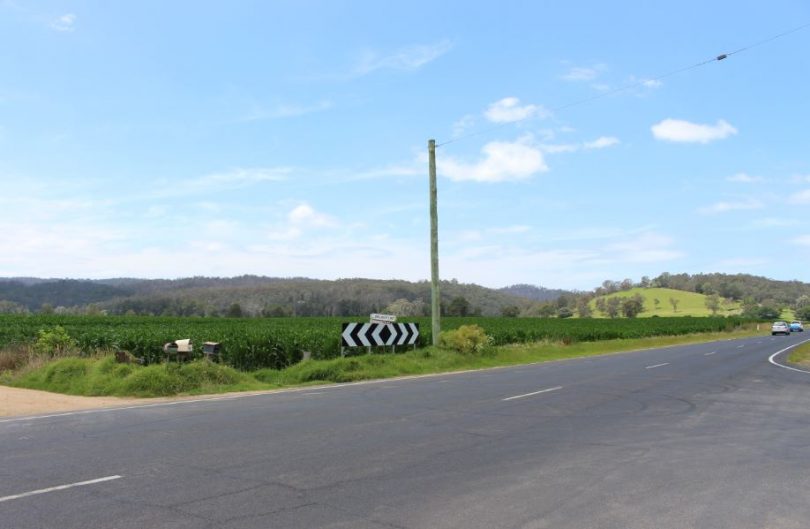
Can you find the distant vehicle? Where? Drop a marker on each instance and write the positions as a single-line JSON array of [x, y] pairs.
[[780, 327], [796, 326]]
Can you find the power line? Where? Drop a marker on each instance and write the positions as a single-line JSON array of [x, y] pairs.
[[639, 83]]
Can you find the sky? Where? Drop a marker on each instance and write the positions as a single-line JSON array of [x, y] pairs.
[[283, 138]]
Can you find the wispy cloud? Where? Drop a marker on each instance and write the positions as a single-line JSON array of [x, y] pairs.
[[801, 240], [509, 110], [724, 207], [301, 218], [66, 22], [800, 197], [405, 59], [773, 222], [601, 142], [648, 247], [233, 179], [287, 110], [744, 178], [462, 125], [677, 130], [583, 73], [501, 162]]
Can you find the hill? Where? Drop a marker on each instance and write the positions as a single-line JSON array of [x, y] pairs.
[[659, 302], [535, 293], [257, 295]]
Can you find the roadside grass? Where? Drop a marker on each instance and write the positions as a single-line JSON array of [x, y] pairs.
[[800, 355], [102, 376]]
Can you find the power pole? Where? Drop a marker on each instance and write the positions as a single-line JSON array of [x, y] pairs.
[[435, 306]]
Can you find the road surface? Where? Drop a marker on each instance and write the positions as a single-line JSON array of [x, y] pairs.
[[699, 436]]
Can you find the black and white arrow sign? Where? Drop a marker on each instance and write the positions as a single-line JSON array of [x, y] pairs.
[[379, 334]]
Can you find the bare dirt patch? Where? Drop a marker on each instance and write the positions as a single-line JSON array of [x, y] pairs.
[[17, 401]]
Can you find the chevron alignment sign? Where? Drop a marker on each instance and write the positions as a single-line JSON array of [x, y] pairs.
[[375, 334]]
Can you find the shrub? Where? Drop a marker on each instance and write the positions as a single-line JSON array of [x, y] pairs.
[[467, 339], [54, 342]]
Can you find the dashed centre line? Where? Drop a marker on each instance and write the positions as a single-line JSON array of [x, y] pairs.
[[59, 487], [657, 365], [532, 393], [707, 354]]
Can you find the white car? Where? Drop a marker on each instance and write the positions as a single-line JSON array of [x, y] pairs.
[[780, 327]]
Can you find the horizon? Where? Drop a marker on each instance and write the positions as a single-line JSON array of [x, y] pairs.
[[286, 140]]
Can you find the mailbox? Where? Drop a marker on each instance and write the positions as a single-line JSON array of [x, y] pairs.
[[211, 350], [182, 349]]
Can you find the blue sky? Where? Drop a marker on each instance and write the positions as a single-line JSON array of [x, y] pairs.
[[171, 139]]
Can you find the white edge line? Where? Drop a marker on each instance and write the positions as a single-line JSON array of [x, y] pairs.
[[707, 354], [481, 371], [657, 365], [60, 487], [532, 393], [777, 353]]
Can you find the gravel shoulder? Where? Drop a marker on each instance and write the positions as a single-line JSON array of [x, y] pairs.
[[18, 402]]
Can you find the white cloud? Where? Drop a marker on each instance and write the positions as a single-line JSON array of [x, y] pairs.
[[580, 73], [802, 240], [723, 207], [651, 83], [801, 197], [300, 219], [744, 178], [508, 110], [601, 142], [404, 59], [66, 22], [502, 162], [305, 215], [678, 130]]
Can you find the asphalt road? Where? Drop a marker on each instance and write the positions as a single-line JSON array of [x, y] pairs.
[[700, 436]]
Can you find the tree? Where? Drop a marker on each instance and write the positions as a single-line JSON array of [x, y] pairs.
[[713, 303], [459, 306], [803, 313], [234, 311], [584, 307], [564, 312], [510, 311], [674, 302], [545, 310], [632, 306], [601, 306], [403, 307], [626, 284], [657, 302], [645, 282], [613, 306]]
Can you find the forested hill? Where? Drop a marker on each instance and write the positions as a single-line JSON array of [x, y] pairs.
[[534, 292], [255, 296], [739, 287]]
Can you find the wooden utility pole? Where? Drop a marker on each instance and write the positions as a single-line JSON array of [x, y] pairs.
[[435, 306]]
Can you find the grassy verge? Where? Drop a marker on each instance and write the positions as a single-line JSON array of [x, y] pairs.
[[800, 355], [103, 376]]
